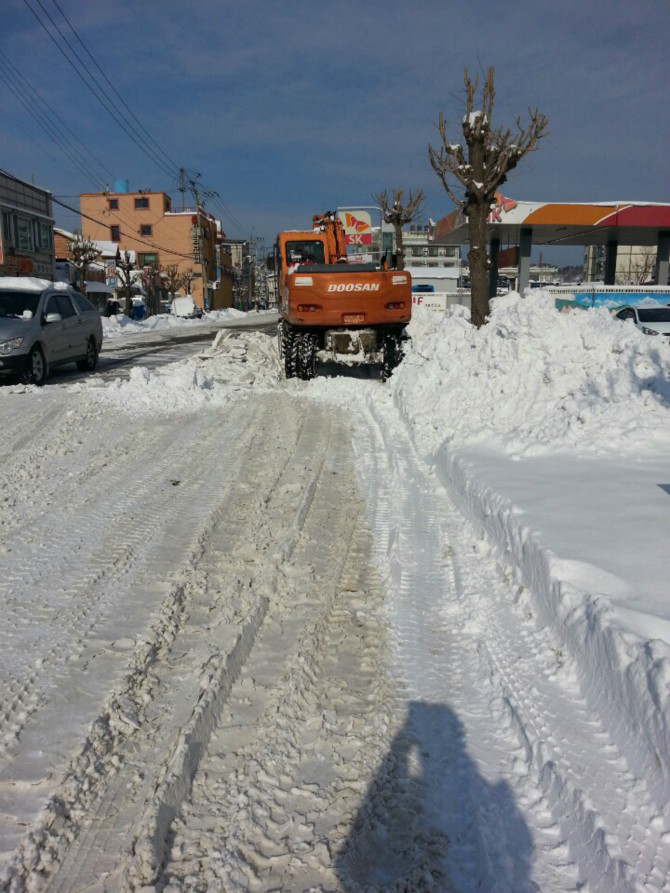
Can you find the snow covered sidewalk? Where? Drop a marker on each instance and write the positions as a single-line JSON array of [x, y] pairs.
[[586, 537], [552, 433]]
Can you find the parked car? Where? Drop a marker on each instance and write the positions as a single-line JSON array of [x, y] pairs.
[[45, 324], [186, 308], [650, 320]]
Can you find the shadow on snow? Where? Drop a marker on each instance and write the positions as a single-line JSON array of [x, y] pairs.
[[430, 821]]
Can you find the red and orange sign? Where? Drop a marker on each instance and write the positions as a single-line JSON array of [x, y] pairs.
[[357, 227]]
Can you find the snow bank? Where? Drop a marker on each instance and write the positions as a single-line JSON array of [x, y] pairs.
[[535, 382], [121, 325]]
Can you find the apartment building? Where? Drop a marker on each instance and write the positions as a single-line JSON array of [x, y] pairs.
[[421, 251], [145, 222], [26, 229]]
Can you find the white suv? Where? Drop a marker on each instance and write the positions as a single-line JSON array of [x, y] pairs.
[[45, 324]]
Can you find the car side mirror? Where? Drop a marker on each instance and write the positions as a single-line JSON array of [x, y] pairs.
[[53, 317]]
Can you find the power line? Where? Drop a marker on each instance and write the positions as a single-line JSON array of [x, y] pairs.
[[39, 110], [116, 92], [224, 209], [108, 104]]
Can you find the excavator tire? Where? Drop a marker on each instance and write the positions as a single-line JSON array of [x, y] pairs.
[[307, 348], [290, 350], [392, 355]]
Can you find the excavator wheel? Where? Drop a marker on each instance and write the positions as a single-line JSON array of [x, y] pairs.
[[307, 348], [290, 351], [392, 356]]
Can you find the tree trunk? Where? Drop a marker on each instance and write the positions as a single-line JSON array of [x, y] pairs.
[[400, 252], [129, 301], [478, 263]]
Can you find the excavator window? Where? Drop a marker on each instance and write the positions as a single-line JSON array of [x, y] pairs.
[[304, 253]]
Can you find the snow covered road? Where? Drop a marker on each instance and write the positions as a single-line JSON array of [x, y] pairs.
[[251, 644]]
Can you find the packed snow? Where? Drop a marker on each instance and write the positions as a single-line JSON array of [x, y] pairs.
[[514, 483]]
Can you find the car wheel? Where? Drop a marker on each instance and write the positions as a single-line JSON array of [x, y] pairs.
[[91, 361], [36, 367]]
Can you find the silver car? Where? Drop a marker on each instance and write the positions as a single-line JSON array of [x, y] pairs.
[[45, 324]]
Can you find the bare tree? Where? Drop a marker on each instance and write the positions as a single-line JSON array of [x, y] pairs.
[[124, 270], [186, 280], [172, 278], [397, 213], [642, 263], [491, 154], [151, 285], [84, 253]]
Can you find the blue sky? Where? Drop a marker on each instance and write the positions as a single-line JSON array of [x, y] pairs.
[[286, 109]]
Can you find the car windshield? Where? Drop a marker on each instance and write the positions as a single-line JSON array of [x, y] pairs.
[[653, 314], [15, 303]]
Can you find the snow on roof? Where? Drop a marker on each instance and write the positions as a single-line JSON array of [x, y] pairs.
[[24, 283]]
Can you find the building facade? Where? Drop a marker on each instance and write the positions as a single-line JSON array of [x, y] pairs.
[[421, 251], [145, 223], [26, 229]]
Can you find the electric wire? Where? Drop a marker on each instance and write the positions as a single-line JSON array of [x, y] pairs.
[[50, 122], [160, 148], [77, 163], [105, 101]]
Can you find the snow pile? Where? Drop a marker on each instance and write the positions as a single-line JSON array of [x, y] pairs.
[[237, 362], [573, 397], [121, 325], [534, 380]]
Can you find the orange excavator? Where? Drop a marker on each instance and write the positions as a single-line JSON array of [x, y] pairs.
[[331, 309]]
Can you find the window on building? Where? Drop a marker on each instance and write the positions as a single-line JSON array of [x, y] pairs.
[[24, 234], [142, 202], [145, 229], [148, 260], [115, 233], [113, 204], [7, 235], [44, 239]]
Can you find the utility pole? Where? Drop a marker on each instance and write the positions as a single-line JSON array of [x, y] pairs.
[[201, 234], [182, 187]]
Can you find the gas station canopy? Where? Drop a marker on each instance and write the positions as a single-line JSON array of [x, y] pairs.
[[547, 223]]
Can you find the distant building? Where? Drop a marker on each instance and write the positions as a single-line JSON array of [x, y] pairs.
[[145, 223], [26, 231], [421, 251], [635, 264]]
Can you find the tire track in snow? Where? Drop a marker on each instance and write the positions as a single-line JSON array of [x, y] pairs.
[[83, 587], [582, 801], [200, 649], [95, 618], [20, 429], [304, 730]]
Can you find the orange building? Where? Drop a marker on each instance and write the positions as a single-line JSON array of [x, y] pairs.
[[145, 223]]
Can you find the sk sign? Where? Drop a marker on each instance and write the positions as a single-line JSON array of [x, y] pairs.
[[357, 228]]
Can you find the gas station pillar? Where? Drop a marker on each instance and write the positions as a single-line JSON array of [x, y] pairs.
[[525, 246], [662, 256]]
